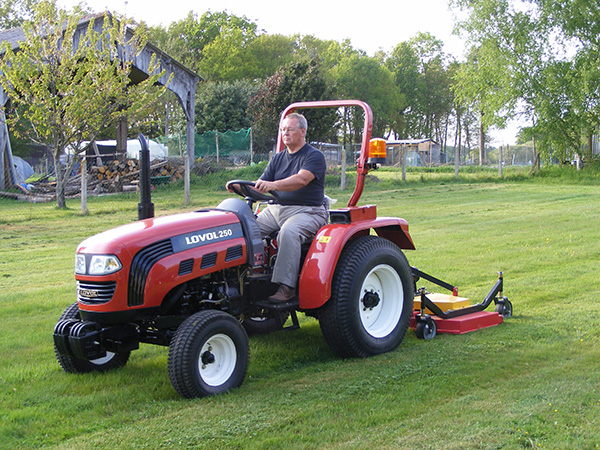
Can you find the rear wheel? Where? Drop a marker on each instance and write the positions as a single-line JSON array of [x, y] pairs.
[[76, 365], [208, 355], [372, 296]]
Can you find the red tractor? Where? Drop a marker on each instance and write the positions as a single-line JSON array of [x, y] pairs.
[[198, 282]]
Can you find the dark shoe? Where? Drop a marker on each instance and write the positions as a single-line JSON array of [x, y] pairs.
[[283, 294]]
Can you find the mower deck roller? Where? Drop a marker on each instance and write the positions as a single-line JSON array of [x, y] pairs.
[[441, 313]]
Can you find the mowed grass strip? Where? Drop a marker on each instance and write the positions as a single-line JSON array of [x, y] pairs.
[[532, 382]]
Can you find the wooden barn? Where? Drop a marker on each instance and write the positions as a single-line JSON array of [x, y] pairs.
[[182, 84]]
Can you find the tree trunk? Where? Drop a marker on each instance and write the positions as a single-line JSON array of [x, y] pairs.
[[457, 146], [60, 182], [481, 141]]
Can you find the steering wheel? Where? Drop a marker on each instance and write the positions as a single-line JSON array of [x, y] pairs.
[[246, 190]]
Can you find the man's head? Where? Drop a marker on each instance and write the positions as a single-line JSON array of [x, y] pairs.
[[293, 132]]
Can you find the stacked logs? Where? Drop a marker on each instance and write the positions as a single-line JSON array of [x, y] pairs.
[[117, 176], [111, 177], [114, 176]]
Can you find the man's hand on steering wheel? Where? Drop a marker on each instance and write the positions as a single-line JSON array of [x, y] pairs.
[[248, 190], [264, 187]]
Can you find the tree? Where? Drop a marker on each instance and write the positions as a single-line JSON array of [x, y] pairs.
[[542, 54], [363, 78], [223, 106], [404, 65], [301, 81], [421, 73], [190, 40], [14, 12], [68, 83]]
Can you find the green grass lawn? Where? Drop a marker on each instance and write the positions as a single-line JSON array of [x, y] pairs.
[[531, 382]]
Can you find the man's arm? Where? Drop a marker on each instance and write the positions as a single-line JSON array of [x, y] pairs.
[[291, 183]]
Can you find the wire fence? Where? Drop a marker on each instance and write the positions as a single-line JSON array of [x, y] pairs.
[[102, 171]]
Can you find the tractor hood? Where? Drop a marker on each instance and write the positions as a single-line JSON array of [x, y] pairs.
[[182, 229]]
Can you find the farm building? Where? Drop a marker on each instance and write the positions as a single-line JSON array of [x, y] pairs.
[[182, 84], [419, 152]]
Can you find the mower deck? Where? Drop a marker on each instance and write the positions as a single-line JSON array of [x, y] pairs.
[[440, 313], [463, 324]]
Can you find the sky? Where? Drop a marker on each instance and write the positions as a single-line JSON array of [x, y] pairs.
[[371, 25]]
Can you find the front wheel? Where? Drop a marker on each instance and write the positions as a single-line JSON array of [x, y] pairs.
[[372, 299], [208, 355], [76, 365], [504, 308], [426, 329]]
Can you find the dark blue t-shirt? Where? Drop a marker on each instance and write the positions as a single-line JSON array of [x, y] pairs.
[[285, 164]]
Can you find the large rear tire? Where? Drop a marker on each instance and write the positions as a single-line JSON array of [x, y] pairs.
[[76, 365], [372, 299], [208, 355]]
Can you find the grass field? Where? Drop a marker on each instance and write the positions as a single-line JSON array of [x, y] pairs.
[[531, 382]]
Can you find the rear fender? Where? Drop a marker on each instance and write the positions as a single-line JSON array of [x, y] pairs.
[[314, 288]]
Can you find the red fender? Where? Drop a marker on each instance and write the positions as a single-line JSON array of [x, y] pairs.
[[314, 288]]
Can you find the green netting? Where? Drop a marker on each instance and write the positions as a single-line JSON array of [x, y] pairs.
[[229, 143]]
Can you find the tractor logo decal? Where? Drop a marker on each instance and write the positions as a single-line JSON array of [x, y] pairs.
[[208, 236], [89, 293]]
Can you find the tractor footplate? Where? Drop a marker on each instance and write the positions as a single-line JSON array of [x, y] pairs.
[[290, 305]]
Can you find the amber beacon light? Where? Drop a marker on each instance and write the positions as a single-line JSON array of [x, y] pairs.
[[377, 151]]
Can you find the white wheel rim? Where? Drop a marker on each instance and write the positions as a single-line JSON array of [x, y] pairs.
[[380, 320], [215, 370]]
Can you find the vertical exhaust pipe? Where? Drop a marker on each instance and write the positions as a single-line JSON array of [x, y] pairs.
[[145, 206]]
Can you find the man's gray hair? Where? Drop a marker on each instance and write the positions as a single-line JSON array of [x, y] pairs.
[[302, 123]]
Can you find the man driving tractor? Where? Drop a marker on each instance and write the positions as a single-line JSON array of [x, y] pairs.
[[298, 177]]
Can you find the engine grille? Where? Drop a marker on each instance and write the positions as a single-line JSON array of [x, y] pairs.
[[186, 267], [208, 260], [143, 261], [234, 253], [95, 292]]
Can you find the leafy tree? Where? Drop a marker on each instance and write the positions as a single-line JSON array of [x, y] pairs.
[[364, 78], [404, 65], [295, 82], [223, 106], [542, 54], [14, 12], [70, 83], [190, 40], [267, 53]]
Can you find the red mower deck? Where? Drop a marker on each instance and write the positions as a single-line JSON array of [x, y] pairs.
[[463, 324]]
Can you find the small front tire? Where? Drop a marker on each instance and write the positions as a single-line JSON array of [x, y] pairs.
[[208, 355], [504, 308], [426, 329]]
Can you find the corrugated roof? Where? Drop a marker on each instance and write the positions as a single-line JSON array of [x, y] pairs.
[[13, 36], [409, 141]]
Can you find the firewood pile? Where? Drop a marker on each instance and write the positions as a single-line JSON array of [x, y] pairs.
[[112, 177]]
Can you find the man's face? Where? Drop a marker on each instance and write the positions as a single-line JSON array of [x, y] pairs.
[[293, 136]]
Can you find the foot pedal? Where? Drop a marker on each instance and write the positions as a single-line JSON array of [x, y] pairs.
[[289, 306]]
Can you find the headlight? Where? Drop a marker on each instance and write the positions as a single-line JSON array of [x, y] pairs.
[[80, 264], [98, 264]]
